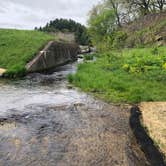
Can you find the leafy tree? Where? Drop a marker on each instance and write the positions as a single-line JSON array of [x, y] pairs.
[[121, 9], [159, 4], [65, 25], [102, 23], [144, 7], [115, 5], [107, 20]]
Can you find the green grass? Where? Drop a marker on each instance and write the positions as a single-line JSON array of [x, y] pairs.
[[17, 47], [129, 76], [88, 57]]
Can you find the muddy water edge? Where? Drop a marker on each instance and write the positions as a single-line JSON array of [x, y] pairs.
[[46, 122]]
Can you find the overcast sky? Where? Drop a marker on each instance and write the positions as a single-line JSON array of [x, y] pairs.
[[26, 14]]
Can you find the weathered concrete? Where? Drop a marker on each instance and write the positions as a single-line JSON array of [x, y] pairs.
[[54, 54]]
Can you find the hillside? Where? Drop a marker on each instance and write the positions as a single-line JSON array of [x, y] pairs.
[[17, 47], [148, 30]]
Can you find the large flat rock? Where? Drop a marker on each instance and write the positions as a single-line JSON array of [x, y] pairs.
[[154, 119]]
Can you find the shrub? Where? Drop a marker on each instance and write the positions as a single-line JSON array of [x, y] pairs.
[[88, 57], [119, 39], [70, 78]]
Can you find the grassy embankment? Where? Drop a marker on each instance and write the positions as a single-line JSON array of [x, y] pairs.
[[17, 47], [130, 76]]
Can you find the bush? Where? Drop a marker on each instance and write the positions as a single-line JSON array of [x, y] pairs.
[[70, 78], [88, 57], [119, 39]]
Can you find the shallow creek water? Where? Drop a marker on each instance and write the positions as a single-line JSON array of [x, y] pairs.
[[45, 122]]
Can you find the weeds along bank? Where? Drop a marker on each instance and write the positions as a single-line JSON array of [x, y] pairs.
[[131, 63], [131, 60], [130, 75], [17, 47]]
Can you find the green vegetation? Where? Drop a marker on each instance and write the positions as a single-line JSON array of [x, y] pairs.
[[65, 25], [129, 76], [88, 57], [17, 47], [130, 37], [115, 24], [100, 28], [131, 61]]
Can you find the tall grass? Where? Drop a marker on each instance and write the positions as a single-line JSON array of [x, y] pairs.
[[128, 76]]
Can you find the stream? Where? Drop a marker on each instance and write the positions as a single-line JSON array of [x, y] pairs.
[[46, 122]]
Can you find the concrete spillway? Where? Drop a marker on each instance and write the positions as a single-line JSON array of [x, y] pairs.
[[54, 54]]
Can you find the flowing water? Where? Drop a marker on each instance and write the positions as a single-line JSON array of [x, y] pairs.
[[46, 122]]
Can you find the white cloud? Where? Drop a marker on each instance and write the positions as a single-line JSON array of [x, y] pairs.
[[26, 14]]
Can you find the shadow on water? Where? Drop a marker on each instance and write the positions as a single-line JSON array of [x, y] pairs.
[[147, 145]]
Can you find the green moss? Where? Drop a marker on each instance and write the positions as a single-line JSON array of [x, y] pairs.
[[17, 47]]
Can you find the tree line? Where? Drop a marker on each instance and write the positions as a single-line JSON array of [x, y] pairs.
[[127, 10], [68, 25], [107, 17]]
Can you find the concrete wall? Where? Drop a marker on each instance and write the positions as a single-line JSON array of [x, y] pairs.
[[53, 55]]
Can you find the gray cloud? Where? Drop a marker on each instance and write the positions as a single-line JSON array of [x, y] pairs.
[[26, 14]]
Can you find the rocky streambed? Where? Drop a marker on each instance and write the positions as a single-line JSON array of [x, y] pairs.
[[46, 122]]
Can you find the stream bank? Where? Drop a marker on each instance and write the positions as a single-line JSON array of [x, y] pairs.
[[44, 121]]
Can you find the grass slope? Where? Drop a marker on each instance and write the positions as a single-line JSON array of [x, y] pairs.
[[17, 47], [129, 76]]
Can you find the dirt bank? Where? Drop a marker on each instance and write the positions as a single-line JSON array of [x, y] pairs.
[[147, 145]]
